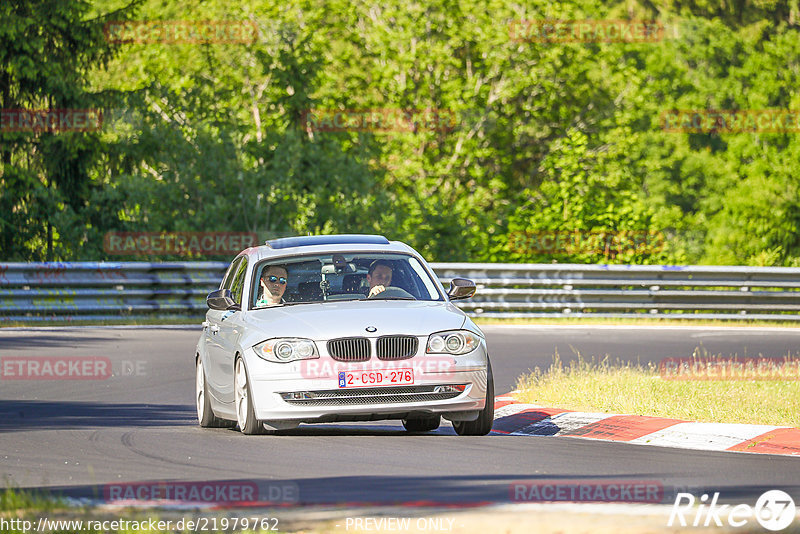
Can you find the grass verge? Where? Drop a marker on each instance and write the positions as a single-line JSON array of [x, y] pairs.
[[625, 388], [12, 500]]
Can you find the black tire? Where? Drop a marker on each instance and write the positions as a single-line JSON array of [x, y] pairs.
[[483, 424], [422, 424], [245, 414], [205, 413]]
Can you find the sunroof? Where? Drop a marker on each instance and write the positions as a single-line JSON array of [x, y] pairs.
[[342, 239]]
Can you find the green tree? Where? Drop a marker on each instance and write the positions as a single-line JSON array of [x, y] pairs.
[[47, 195], [542, 136]]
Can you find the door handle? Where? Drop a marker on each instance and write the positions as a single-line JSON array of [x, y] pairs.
[[214, 329]]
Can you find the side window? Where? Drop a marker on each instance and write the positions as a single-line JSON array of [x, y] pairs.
[[237, 286], [226, 282], [421, 276]]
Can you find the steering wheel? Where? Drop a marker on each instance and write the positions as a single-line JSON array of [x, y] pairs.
[[393, 292]]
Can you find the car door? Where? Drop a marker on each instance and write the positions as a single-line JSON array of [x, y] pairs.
[[213, 340], [229, 329]]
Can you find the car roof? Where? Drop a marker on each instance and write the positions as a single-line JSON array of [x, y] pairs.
[[340, 239], [324, 244]]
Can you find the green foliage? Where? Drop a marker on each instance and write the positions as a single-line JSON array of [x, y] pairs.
[[584, 195], [47, 49], [544, 137]]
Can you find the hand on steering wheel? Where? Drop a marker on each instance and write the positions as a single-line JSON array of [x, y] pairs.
[[391, 292], [375, 290]]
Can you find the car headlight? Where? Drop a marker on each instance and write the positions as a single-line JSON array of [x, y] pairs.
[[452, 342], [286, 349]]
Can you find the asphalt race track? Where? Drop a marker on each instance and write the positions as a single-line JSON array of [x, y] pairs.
[[139, 425]]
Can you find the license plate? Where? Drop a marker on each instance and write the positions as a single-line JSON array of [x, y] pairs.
[[376, 377]]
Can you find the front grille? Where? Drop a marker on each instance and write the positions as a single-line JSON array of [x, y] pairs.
[[396, 347], [391, 395], [349, 349]]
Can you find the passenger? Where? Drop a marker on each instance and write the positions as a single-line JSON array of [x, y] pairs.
[[273, 286], [379, 276]]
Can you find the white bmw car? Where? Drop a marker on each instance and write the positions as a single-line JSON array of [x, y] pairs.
[[340, 328]]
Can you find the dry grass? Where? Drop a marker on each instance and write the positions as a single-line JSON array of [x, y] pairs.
[[620, 387]]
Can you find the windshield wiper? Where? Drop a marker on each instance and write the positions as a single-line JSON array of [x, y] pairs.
[[391, 298]]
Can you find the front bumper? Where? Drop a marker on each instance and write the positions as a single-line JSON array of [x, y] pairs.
[[270, 382]]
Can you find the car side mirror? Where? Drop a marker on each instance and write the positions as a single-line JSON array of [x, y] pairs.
[[221, 299], [461, 288]]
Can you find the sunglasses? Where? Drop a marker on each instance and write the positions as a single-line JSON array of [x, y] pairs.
[[274, 279]]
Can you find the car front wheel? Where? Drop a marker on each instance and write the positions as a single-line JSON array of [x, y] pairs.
[[245, 413], [483, 424]]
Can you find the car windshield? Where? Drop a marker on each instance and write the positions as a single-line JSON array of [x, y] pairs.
[[348, 276]]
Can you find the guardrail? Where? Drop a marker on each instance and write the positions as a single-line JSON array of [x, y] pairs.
[[708, 292], [102, 291]]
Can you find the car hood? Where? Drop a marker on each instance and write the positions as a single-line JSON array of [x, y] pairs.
[[346, 319]]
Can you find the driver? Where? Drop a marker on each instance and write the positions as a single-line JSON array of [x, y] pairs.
[[379, 276], [273, 285]]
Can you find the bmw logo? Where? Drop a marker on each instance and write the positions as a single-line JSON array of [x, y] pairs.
[[371, 329]]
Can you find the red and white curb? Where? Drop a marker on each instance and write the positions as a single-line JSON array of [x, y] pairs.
[[518, 419]]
